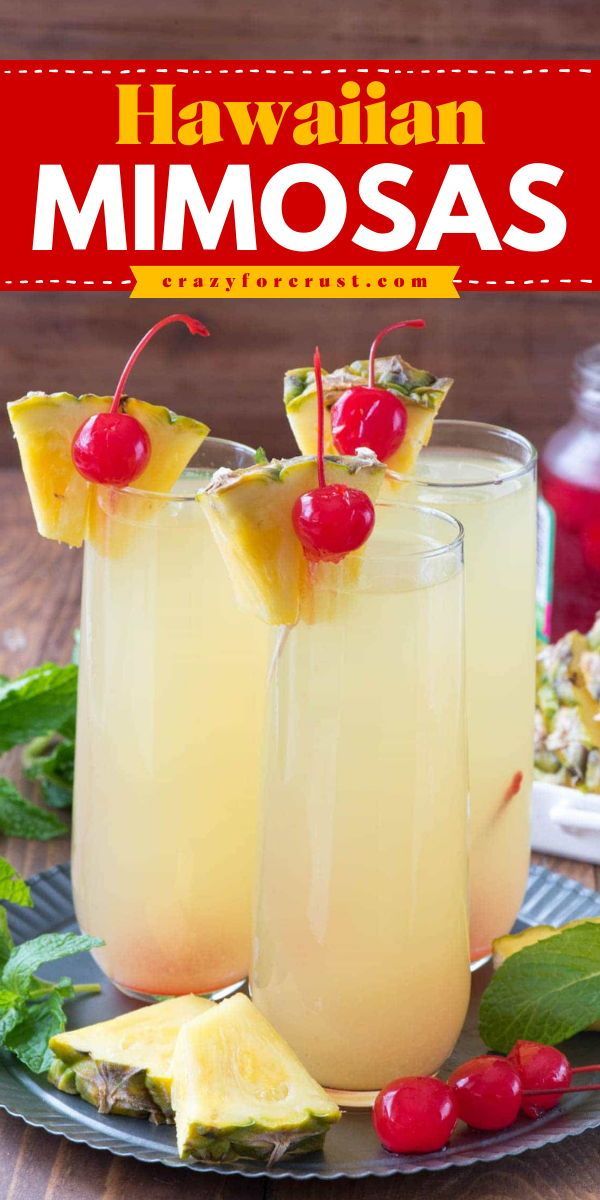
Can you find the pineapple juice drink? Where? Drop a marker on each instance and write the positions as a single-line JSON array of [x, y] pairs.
[[485, 477], [168, 736], [361, 947]]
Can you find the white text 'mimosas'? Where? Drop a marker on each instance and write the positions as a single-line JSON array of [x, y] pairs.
[[184, 206]]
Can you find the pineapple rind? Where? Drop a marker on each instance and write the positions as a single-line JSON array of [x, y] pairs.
[[228, 1145], [119, 1090], [62, 1076], [113, 1089]]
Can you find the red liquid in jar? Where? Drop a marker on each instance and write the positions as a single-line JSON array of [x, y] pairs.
[[570, 482], [577, 552]]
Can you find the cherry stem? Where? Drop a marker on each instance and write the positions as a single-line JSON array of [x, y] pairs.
[[193, 325], [581, 1070], [549, 1091], [320, 418], [417, 324]]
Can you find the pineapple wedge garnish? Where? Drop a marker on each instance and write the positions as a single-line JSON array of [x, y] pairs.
[[44, 426], [250, 513], [123, 1066], [62, 501], [422, 393], [239, 1091]]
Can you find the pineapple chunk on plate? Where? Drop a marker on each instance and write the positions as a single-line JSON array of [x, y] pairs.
[[239, 1091], [123, 1066]]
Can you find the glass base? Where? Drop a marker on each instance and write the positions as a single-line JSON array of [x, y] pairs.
[[151, 997], [480, 962], [350, 1099]]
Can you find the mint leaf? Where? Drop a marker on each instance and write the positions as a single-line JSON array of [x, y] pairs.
[[10, 1012], [25, 959], [6, 942], [38, 701], [12, 887], [56, 794], [19, 818], [544, 993], [50, 761], [31, 1009], [260, 456], [30, 1034], [66, 989]]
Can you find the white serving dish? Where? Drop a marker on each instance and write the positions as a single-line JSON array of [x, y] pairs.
[[565, 822]]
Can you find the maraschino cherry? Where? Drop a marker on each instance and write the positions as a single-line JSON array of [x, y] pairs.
[[488, 1092], [540, 1067], [371, 416], [418, 1114], [415, 1115], [332, 519], [113, 448]]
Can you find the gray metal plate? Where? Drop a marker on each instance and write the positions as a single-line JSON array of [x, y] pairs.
[[352, 1150]]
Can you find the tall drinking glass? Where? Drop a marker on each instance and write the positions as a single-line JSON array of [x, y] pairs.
[[486, 478], [168, 734], [361, 945]]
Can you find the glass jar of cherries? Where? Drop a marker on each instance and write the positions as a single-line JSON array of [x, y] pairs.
[[570, 481]]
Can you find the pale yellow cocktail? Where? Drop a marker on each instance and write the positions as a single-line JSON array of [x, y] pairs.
[[361, 950], [168, 746], [485, 477]]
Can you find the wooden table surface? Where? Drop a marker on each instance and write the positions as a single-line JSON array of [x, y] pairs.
[[39, 605]]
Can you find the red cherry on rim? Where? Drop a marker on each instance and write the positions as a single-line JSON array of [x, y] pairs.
[[113, 448], [368, 416], [539, 1067], [371, 416], [331, 520], [415, 1115], [488, 1092]]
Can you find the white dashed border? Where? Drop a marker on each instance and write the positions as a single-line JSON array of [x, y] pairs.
[[519, 282], [372, 70], [115, 283], [70, 282]]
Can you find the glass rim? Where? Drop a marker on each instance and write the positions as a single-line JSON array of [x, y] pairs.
[[178, 498], [507, 435], [457, 542]]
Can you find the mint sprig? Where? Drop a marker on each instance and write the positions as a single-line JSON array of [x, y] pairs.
[[19, 818], [37, 711], [544, 993], [35, 703], [12, 887], [32, 1009], [50, 761]]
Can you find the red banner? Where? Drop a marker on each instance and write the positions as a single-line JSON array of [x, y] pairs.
[[111, 165]]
